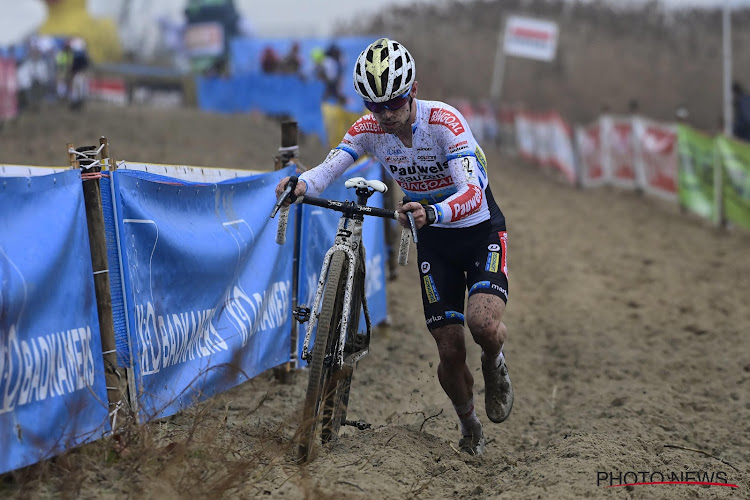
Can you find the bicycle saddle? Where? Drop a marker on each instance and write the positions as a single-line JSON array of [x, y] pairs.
[[361, 182]]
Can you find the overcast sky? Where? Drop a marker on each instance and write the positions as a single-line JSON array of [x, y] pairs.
[[316, 17]]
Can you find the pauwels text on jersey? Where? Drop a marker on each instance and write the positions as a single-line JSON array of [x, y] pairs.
[[416, 172]]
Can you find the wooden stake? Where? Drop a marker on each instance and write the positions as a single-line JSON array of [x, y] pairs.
[[104, 155], [289, 150], [72, 157], [98, 243]]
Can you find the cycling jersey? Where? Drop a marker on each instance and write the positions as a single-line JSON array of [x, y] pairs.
[[445, 167]]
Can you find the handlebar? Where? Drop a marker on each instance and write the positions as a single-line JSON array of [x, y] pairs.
[[347, 208], [290, 187]]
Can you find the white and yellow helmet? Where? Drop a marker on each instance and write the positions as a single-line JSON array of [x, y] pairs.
[[384, 70]]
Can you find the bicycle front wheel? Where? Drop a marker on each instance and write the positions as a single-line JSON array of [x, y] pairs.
[[339, 385], [322, 384]]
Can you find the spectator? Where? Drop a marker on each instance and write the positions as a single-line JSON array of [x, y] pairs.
[[491, 127], [269, 60], [682, 114], [63, 62], [741, 104], [291, 63], [172, 37], [33, 79], [633, 106], [79, 66], [317, 55], [332, 72], [48, 48]]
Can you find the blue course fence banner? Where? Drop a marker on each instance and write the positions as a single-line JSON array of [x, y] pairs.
[[52, 391], [299, 96], [318, 233], [119, 315], [246, 56], [275, 95], [207, 288]]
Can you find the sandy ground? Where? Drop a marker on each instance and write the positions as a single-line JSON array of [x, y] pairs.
[[628, 350]]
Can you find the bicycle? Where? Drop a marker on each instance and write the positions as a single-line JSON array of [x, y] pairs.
[[339, 299]]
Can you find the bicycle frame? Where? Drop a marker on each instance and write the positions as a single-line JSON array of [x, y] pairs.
[[349, 241], [334, 358], [348, 238]]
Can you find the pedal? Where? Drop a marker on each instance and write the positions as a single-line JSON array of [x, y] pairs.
[[359, 424], [301, 314]]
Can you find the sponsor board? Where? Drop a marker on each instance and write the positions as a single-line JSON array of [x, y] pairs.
[[530, 38]]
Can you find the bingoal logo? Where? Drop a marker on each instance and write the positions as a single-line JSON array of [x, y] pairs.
[[440, 116]]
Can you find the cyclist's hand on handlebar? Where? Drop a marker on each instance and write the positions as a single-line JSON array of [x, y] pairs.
[[299, 190], [417, 211]]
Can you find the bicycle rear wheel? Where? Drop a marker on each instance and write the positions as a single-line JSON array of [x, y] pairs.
[[322, 384]]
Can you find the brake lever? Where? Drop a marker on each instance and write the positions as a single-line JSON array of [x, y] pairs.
[[290, 186], [413, 226]]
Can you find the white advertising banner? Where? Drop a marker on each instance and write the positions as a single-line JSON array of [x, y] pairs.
[[204, 39], [620, 154], [657, 144], [547, 139], [530, 38], [630, 152], [591, 153]]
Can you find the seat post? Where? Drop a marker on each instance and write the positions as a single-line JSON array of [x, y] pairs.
[[363, 193]]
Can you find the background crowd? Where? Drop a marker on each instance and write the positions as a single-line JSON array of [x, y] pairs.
[[51, 70]]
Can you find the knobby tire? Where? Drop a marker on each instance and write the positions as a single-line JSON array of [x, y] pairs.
[[338, 396], [322, 383]]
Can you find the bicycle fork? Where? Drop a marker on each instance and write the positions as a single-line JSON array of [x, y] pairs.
[[347, 240]]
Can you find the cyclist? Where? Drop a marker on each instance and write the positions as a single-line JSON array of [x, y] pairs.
[[429, 150]]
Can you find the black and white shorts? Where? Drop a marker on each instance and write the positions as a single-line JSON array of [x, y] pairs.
[[453, 260]]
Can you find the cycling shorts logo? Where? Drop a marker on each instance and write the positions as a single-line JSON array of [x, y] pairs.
[[494, 247], [493, 261], [425, 267], [501, 290], [429, 289], [432, 319], [484, 285], [479, 285], [454, 315]]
